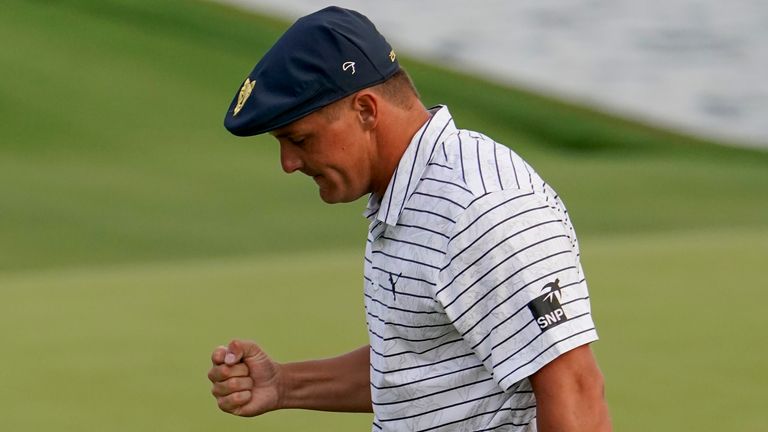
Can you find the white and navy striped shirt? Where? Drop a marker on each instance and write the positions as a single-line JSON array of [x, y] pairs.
[[465, 248]]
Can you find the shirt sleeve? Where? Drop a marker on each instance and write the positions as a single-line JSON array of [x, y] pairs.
[[512, 283]]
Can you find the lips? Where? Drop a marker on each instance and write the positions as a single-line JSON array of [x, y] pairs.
[[316, 177]]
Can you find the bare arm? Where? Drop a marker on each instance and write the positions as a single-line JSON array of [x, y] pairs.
[[570, 394], [337, 384], [247, 382]]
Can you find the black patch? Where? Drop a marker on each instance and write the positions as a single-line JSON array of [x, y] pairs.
[[546, 309]]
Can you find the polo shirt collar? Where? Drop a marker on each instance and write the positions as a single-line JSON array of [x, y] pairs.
[[410, 169]]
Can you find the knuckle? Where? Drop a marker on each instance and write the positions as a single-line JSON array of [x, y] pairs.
[[220, 373], [212, 375], [222, 403], [232, 385], [223, 373], [239, 369], [241, 397], [217, 356], [231, 403], [217, 392]]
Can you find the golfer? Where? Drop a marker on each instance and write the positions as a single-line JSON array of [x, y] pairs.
[[476, 304]]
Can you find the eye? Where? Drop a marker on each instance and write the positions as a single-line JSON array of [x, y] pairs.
[[297, 140]]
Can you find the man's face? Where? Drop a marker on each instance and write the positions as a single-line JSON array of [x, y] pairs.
[[336, 152]]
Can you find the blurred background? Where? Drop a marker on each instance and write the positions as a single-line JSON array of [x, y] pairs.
[[136, 234], [692, 65]]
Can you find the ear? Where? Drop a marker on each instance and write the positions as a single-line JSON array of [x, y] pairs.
[[366, 105]]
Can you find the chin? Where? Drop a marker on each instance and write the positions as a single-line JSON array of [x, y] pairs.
[[328, 197], [336, 199]]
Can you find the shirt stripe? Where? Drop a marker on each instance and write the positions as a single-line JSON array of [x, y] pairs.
[[466, 236]]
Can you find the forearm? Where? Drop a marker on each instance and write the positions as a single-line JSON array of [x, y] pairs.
[[570, 394], [578, 412], [337, 384]]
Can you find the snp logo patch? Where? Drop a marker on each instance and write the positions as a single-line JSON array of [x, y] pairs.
[[546, 308]]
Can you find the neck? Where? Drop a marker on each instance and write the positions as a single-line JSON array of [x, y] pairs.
[[394, 134]]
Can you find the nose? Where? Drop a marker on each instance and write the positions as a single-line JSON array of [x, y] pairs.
[[289, 158]]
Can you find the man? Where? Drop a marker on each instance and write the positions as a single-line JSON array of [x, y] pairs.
[[477, 308]]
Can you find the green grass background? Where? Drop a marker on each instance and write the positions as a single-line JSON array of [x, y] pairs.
[[136, 234]]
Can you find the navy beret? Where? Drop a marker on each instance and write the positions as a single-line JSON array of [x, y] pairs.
[[320, 59]]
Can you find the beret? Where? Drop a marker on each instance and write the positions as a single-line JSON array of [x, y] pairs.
[[321, 58]]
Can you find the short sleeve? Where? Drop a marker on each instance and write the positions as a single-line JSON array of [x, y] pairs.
[[512, 283]]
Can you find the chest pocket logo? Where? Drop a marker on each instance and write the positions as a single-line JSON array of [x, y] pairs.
[[392, 284]]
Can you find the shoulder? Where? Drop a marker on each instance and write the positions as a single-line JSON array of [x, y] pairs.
[[485, 165]]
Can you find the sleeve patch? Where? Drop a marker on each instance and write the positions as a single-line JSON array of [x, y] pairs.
[[546, 308]]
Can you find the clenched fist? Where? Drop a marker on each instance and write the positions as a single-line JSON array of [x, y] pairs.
[[246, 382]]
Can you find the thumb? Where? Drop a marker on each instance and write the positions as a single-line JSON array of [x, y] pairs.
[[237, 350]]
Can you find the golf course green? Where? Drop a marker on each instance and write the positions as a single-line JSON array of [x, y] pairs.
[[136, 234]]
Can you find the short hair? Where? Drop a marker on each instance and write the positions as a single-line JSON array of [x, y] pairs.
[[397, 89]]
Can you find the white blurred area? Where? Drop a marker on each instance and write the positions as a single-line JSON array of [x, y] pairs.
[[696, 66]]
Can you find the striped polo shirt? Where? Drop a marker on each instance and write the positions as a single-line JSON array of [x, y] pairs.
[[472, 284]]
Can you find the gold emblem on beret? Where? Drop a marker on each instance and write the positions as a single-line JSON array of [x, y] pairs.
[[245, 91], [392, 56]]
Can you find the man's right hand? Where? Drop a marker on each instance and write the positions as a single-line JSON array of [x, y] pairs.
[[246, 382]]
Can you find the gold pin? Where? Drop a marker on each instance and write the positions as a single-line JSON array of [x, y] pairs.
[[245, 91], [392, 56]]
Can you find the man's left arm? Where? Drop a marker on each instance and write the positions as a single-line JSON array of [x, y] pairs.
[[570, 394]]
